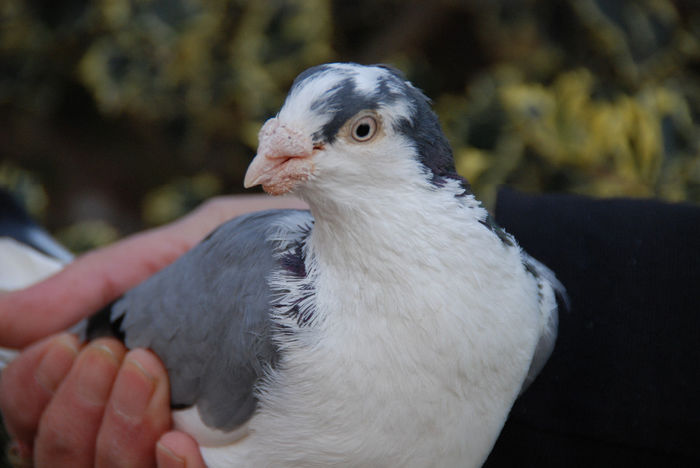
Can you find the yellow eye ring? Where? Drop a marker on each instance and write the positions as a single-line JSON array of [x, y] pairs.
[[364, 129]]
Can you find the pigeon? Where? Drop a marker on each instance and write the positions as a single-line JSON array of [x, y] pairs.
[[394, 323], [27, 252]]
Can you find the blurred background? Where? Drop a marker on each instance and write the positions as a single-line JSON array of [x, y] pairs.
[[117, 115]]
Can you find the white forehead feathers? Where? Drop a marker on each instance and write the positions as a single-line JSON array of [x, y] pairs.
[[323, 95]]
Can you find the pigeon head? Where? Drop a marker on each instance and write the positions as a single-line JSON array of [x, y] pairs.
[[347, 127]]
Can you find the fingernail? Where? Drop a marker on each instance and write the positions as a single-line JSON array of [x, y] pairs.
[[167, 458], [95, 373], [56, 363], [133, 389], [104, 351]]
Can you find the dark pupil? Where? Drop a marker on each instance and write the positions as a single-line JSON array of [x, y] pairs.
[[362, 130]]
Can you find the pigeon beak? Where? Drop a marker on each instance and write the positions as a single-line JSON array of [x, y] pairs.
[[283, 159]]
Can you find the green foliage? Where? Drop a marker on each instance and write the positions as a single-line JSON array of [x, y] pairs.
[[171, 201], [221, 66], [195, 79], [86, 235], [614, 115], [209, 62], [26, 188]]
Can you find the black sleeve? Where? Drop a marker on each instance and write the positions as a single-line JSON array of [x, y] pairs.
[[622, 387]]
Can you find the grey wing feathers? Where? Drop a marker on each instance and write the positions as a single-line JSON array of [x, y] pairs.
[[207, 316], [548, 289]]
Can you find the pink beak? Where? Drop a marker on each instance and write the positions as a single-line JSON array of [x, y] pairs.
[[283, 159]]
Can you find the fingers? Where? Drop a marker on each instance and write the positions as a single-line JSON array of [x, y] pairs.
[[30, 381], [178, 450], [68, 427], [107, 410], [137, 415]]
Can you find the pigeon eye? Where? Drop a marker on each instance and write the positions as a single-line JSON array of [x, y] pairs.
[[364, 129]]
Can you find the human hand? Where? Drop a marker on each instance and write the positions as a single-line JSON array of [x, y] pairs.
[[100, 405]]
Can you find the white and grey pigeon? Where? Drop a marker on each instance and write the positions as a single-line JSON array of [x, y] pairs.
[[28, 254], [393, 325]]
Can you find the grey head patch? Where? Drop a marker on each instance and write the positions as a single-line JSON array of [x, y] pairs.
[[344, 100], [434, 151], [208, 316], [422, 128]]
